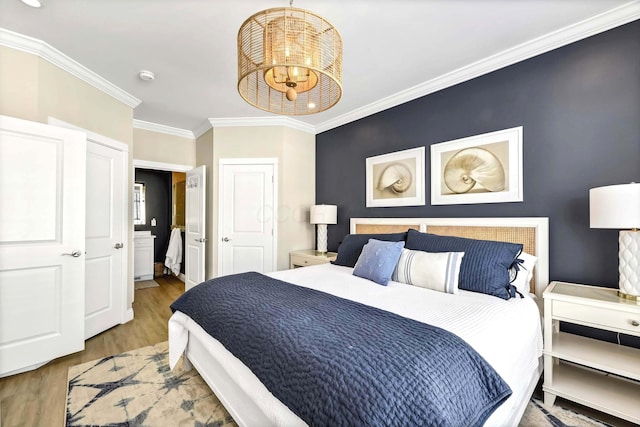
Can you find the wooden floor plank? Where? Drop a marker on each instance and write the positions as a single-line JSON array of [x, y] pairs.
[[38, 398]]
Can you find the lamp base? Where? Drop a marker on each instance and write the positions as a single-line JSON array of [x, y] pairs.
[[629, 297], [629, 264], [321, 243]]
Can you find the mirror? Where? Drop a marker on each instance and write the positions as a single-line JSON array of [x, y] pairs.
[[178, 196], [139, 217]]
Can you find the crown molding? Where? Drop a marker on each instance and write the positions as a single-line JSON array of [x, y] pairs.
[[202, 129], [264, 121], [54, 56], [167, 130], [161, 166], [605, 21]]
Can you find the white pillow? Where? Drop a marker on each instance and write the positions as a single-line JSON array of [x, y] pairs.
[[432, 270], [523, 278]]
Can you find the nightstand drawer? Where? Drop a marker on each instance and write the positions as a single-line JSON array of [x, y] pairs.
[[304, 261], [305, 258], [603, 318]]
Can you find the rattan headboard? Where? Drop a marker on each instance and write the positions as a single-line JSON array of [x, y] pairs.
[[533, 233]]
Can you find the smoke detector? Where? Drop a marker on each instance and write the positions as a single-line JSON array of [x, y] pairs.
[[146, 75]]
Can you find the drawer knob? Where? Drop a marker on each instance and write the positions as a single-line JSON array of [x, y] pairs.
[[635, 323]]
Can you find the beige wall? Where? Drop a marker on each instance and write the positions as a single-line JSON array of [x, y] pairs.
[[295, 151], [163, 148], [34, 89], [18, 84], [298, 194], [31, 88]]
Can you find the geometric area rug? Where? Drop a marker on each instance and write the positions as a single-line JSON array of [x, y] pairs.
[[137, 388], [537, 414]]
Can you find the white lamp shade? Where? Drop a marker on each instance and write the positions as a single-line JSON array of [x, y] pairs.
[[615, 206], [324, 214]]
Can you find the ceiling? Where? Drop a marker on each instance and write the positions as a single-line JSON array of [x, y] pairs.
[[394, 51]]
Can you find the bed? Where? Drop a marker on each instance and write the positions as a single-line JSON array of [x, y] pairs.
[[506, 333]]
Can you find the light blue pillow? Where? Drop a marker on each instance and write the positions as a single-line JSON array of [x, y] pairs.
[[378, 260]]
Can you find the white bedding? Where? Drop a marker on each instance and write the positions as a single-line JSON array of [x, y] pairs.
[[506, 333]]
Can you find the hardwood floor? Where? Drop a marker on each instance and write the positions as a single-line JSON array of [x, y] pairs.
[[38, 398]]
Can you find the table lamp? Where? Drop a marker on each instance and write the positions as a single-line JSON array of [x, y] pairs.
[[321, 215], [618, 206]]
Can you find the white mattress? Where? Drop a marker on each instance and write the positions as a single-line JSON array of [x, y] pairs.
[[506, 333]]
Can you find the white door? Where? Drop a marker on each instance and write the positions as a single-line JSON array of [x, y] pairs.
[[105, 283], [42, 226], [247, 223], [195, 232]]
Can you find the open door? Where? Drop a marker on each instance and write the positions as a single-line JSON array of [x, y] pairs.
[[105, 236], [195, 231], [42, 243]]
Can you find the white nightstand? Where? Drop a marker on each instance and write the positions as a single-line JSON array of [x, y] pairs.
[[594, 373], [309, 257]]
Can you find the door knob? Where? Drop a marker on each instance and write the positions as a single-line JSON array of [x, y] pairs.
[[226, 239], [119, 246], [201, 240], [74, 254]]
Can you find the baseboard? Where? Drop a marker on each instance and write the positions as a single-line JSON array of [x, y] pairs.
[[182, 277], [25, 369], [128, 315]]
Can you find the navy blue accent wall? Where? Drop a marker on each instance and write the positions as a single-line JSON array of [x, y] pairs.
[[580, 109]]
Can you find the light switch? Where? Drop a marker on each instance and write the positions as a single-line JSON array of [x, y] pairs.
[[153, 222]]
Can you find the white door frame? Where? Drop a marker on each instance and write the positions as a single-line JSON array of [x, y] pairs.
[[161, 166], [126, 312], [273, 161]]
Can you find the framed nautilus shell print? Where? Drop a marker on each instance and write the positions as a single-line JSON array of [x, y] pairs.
[[396, 179], [485, 168]]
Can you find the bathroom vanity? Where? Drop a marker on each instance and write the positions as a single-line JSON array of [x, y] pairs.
[[143, 249]]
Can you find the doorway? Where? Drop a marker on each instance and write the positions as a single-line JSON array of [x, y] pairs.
[[155, 220], [160, 211]]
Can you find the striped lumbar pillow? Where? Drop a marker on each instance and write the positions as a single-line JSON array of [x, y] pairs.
[[438, 271]]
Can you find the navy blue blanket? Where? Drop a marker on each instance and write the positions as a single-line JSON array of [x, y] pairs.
[[335, 362]]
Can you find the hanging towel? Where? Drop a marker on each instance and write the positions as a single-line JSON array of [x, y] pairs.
[[174, 252]]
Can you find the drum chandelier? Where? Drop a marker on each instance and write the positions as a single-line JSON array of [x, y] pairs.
[[289, 61]]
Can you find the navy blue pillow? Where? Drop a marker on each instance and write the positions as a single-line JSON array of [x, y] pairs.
[[485, 265], [352, 244]]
